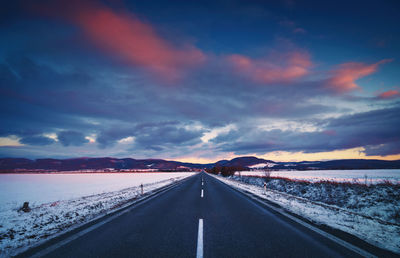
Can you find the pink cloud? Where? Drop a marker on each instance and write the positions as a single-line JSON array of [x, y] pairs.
[[390, 94], [123, 35], [343, 79], [281, 68]]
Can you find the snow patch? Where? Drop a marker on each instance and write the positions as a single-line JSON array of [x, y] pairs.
[[366, 176], [60, 203], [263, 165], [366, 221]]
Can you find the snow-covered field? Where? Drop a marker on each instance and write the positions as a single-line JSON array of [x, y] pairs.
[[371, 176], [371, 213], [60, 202]]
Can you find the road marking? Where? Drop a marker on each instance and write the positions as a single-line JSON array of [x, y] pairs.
[[199, 253], [202, 193], [202, 183]]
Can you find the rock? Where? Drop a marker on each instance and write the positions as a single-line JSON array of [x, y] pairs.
[[25, 207]]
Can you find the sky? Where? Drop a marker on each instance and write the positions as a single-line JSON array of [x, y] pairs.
[[200, 81]]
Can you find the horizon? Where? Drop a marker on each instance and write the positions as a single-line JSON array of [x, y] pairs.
[[200, 163], [200, 82]]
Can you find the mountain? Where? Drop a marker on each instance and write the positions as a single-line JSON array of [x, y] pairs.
[[7, 164], [21, 164]]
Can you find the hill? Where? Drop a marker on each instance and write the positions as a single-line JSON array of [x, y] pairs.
[[22, 164]]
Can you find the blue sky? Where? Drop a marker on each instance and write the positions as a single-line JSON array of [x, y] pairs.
[[200, 80]]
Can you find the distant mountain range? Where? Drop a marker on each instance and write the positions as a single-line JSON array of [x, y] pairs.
[[21, 164], [93, 164]]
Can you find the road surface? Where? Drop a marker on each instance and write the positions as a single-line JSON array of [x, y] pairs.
[[200, 217]]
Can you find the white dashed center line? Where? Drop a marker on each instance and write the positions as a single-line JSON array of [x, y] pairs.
[[199, 253]]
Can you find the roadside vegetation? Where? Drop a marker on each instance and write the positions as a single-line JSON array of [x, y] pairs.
[[225, 171], [369, 212], [380, 201]]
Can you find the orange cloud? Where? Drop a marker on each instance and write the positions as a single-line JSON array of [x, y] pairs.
[[284, 68], [390, 94], [126, 37], [344, 78]]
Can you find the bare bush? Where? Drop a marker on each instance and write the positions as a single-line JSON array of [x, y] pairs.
[[267, 175]]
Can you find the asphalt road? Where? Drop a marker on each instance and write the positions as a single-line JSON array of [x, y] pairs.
[[233, 226]]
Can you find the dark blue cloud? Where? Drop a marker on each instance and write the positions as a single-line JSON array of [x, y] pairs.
[[154, 136], [72, 138], [383, 149], [376, 130], [37, 140], [161, 137], [109, 137]]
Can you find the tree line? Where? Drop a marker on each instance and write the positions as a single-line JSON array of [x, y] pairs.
[[225, 171]]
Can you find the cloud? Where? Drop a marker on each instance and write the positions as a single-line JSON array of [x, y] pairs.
[[390, 94], [160, 137], [343, 78], [383, 149], [40, 100], [152, 136], [35, 99], [123, 35], [36, 140], [292, 26], [376, 131], [72, 83], [72, 138], [280, 68], [299, 31], [110, 137]]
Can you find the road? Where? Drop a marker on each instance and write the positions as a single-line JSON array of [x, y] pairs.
[[233, 225]]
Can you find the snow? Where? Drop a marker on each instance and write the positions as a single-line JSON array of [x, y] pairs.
[[367, 223], [42, 188], [373, 176], [263, 165], [61, 202]]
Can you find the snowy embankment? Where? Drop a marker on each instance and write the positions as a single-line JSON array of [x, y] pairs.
[[365, 176], [371, 213], [61, 202]]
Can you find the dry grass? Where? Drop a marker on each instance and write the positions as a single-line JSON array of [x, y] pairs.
[[376, 200]]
